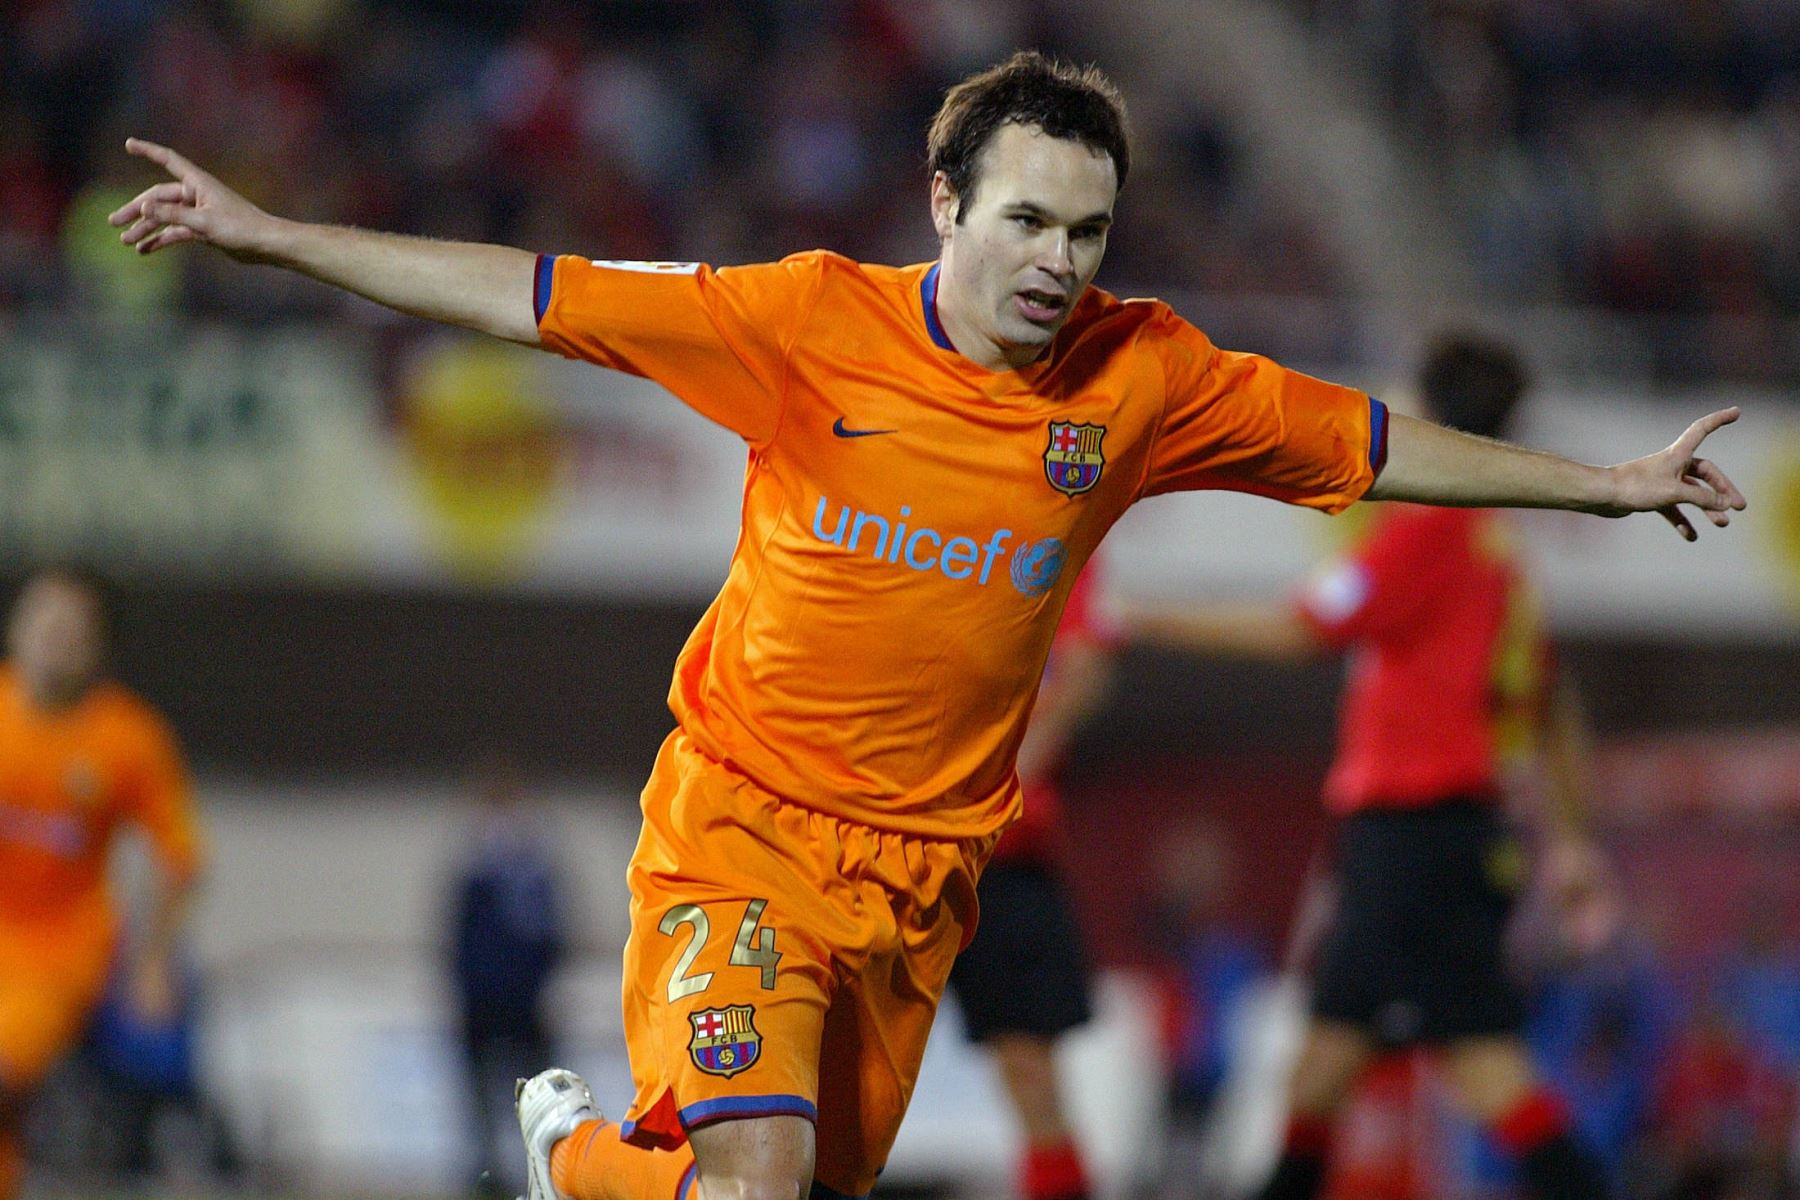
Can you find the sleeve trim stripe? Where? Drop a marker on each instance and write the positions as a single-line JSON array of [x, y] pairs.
[[543, 277], [1378, 435]]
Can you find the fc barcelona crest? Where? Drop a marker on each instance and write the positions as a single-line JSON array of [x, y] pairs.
[[725, 1039], [1073, 459]]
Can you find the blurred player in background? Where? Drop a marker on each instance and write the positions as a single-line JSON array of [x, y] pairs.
[[506, 939], [934, 453], [81, 759], [1023, 980], [1452, 688]]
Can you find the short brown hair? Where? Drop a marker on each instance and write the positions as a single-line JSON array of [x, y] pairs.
[[1032, 89], [1472, 382]]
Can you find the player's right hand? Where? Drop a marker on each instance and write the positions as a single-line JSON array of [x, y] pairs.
[[1664, 481], [193, 207]]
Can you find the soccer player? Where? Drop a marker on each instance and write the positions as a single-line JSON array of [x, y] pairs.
[[934, 452], [1451, 694], [80, 759], [1023, 980]]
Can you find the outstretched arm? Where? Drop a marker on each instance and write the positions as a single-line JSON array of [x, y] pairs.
[[1070, 694], [1261, 629], [154, 983], [484, 288], [1433, 465]]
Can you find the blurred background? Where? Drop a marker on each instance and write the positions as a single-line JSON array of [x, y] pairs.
[[387, 581]]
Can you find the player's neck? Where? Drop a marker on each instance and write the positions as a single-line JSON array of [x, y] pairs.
[[966, 335]]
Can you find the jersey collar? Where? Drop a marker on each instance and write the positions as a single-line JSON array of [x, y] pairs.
[[928, 290]]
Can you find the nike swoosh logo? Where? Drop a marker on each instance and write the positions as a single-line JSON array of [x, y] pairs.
[[839, 429]]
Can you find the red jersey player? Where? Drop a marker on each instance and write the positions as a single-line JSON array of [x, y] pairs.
[[1449, 691], [933, 453]]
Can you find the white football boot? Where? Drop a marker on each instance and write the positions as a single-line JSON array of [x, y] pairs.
[[550, 1105]]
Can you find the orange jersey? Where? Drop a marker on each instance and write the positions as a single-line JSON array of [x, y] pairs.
[[913, 522], [68, 781]]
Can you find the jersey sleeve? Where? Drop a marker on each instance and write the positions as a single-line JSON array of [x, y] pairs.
[[717, 338], [1245, 423], [1380, 591], [162, 800]]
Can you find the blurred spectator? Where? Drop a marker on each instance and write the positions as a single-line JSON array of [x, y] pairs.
[[1724, 1116], [1636, 156], [1602, 1006], [1209, 976], [1759, 979], [506, 938]]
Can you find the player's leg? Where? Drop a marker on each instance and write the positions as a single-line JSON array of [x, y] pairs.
[[1494, 1079], [12, 1150], [1027, 1067], [1022, 982], [1470, 1004], [1364, 991], [1332, 1055], [1052, 1167], [921, 895], [761, 1158], [730, 967], [757, 1158], [480, 1079], [572, 1151], [45, 1000]]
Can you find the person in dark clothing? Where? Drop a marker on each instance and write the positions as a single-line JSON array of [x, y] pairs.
[[505, 943]]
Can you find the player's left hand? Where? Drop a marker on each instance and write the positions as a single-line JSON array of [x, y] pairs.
[[1663, 481]]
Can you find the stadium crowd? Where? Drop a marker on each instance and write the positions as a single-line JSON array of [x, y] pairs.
[[1633, 156], [739, 131], [1639, 157]]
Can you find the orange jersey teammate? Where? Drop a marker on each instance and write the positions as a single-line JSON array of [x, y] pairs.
[[80, 759], [934, 451]]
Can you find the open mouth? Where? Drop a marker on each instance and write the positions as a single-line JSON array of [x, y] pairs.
[[1037, 305]]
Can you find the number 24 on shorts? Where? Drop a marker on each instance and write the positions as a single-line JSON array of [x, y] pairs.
[[753, 947]]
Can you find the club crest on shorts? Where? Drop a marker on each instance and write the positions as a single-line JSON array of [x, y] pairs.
[[1073, 459], [725, 1039]]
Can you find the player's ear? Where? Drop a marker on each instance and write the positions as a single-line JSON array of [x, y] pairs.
[[943, 205]]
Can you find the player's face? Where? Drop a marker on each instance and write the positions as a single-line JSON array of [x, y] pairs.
[[55, 638], [1019, 254]]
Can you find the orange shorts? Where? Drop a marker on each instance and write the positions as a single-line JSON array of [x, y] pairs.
[[48, 991], [782, 961]]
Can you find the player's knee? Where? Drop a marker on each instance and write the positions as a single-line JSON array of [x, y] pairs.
[[754, 1185], [764, 1158]]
